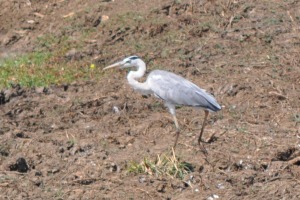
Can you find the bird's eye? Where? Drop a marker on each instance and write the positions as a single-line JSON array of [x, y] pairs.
[[128, 61]]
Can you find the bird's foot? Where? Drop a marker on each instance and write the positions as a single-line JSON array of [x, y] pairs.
[[212, 138], [203, 149]]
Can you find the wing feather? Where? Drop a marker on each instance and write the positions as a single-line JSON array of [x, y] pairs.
[[177, 90]]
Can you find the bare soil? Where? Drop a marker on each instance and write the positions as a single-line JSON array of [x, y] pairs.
[[68, 141]]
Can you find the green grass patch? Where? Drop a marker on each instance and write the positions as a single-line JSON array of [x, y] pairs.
[[23, 70], [162, 165], [42, 69]]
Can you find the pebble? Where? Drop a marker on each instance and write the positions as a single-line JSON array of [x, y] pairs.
[[142, 179], [114, 168], [212, 197], [116, 109], [220, 186]]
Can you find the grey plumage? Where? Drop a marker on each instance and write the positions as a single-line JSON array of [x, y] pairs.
[[179, 91]]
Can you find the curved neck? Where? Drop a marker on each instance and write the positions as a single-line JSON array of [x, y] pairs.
[[133, 75]]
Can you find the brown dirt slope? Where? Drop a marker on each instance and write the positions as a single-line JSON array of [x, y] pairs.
[[67, 141]]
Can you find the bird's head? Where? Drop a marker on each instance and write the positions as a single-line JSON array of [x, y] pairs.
[[130, 61]]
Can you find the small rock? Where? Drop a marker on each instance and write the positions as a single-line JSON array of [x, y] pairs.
[[20, 166], [187, 183], [61, 150], [114, 168], [21, 135], [116, 109], [220, 186], [212, 197], [142, 179], [161, 188], [38, 173]]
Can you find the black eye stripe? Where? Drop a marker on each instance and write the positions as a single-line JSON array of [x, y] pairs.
[[134, 58]]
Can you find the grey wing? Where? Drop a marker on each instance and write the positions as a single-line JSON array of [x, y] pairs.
[[177, 90]]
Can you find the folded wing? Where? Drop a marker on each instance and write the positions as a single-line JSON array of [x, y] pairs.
[[179, 91]]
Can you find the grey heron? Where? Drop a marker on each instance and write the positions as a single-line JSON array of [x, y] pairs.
[[171, 88]]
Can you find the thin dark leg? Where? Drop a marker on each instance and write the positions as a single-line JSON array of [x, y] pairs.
[[177, 131], [203, 125], [202, 129], [176, 139]]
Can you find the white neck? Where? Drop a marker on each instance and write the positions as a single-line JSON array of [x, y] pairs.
[[133, 75]]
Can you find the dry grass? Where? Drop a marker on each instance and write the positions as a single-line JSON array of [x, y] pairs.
[[163, 165]]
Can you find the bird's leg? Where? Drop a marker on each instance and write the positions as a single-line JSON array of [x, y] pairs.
[[177, 130], [202, 129], [203, 125]]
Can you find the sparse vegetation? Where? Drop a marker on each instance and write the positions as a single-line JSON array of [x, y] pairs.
[[40, 69], [162, 165], [27, 70]]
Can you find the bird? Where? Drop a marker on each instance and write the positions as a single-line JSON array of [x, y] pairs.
[[173, 89]]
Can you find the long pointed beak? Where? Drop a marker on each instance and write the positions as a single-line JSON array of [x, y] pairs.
[[113, 65]]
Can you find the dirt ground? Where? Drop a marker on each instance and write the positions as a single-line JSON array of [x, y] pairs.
[[68, 142]]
